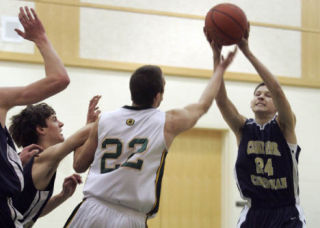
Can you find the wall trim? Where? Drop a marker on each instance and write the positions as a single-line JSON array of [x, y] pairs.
[[167, 70]]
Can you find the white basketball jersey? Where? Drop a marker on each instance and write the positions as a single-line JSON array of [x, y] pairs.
[[129, 161]]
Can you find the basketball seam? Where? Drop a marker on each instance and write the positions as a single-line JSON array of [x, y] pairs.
[[232, 18], [227, 35]]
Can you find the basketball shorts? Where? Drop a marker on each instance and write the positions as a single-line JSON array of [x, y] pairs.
[[284, 217], [93, 213]]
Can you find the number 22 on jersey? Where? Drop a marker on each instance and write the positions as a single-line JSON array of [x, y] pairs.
[[143, 142]]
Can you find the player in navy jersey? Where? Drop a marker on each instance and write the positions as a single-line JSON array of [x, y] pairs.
[[266, 168], [126, 152], [11, 177], [44, 129]]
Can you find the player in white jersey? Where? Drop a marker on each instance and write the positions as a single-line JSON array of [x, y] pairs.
[[11, 177], [126, 151]]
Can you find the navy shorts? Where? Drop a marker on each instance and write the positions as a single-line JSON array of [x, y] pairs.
[[283, 217]]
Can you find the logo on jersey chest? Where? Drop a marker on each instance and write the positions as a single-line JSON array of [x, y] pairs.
[[261, 147], [130, 122]]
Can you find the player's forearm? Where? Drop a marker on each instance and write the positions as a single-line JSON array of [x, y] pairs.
[[53, 203], [73, 142], [83, 155], [212, 89], [222, 96], [268, 78], [53, 65]]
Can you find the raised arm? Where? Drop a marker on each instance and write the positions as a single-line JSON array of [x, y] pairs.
[[179, 120], [229, 112], [56, 75], [286, 117], [84, 155], [46, 164]]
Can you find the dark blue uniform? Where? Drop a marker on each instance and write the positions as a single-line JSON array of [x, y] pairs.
[[31, 202], [267, 177], [11, 179]]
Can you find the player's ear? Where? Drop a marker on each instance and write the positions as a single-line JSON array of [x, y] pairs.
[[40, 130], [157, 98]]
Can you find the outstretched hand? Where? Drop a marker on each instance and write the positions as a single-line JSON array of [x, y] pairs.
[[70, 184], [93, 109], [28, 152], [225, 62], [33, 28]]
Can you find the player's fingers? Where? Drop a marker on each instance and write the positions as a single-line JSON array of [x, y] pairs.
[[33, 147], [35, 152], [73, 179], [22, 19], [34, 14], [93, 102], [231, 56], [21, 11], [96, 99], [29, 14], [26, 15], [20, 33], [78, 178]]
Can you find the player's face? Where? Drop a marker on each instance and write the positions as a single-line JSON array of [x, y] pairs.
[[262, 101], [53, 131]]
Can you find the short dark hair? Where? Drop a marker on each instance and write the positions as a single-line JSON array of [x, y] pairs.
[[258, 86], [145, 83], [23, 125]]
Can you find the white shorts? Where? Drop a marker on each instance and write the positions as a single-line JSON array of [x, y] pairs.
[[94, 213]]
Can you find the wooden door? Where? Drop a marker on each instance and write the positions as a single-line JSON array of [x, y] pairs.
[[191, 188]]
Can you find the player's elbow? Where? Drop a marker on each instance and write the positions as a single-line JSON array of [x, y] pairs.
[[78, 167], [62, 81]]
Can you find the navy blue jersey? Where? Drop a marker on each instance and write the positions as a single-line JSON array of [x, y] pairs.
[[266, 166], [31, 202], [11, 180], [11, 177]]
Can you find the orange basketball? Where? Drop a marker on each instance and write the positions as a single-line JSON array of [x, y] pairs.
[[226, 24]]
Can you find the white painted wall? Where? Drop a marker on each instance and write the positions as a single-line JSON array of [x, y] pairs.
[[131, 37], [177, 42]]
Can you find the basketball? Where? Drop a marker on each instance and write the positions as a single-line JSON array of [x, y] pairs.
[[226, 24]]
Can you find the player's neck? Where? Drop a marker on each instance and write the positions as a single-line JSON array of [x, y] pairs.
[[44, 143], [141, 106], [262, 118]]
